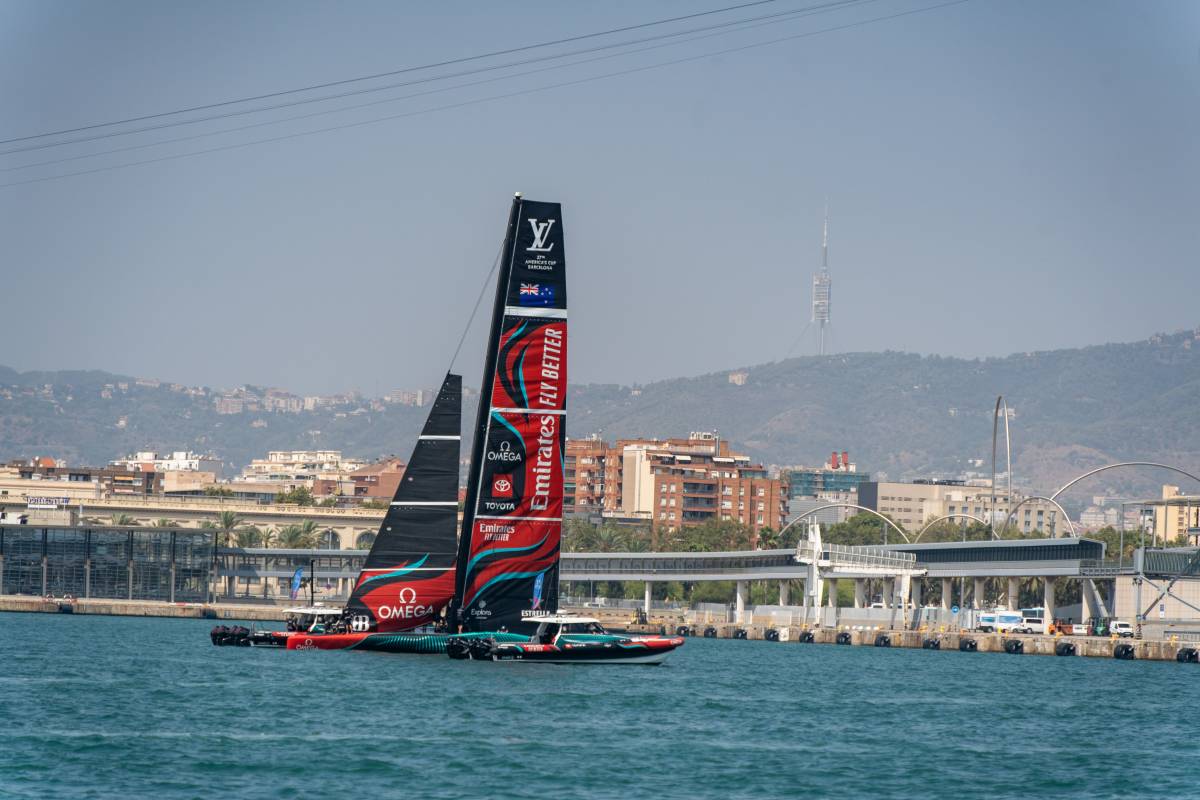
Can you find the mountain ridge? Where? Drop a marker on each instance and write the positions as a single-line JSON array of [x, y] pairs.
[[902, 414]]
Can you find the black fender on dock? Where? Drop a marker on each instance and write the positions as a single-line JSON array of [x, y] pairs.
[[771, 635], [1124, 652], [883, 640], [1064, 649], [968, 645], [710, 632], [1188, 655], [843, 637], [740, 633], [931, 644], [683, 630], [807, 637], [1014, 646]]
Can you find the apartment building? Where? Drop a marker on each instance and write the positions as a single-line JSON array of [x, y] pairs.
[[672, 483]]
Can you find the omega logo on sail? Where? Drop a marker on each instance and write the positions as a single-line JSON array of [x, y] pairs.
[[408, 608]]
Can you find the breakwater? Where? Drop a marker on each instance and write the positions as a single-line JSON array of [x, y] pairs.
[[140, 608], [968, 641]]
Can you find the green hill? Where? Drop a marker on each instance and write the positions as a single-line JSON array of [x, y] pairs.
[[902, 414]]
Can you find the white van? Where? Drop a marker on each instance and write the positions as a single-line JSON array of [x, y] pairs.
[[1033, 620], [1000, 621]]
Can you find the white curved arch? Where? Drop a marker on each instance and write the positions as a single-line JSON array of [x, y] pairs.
[[1063, 511], [944, 517], [1074, 481], [809, 513]]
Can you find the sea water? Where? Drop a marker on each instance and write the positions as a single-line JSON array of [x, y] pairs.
[[105, 707]]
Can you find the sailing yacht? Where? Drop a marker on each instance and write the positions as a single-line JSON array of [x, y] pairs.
[[499, 583]]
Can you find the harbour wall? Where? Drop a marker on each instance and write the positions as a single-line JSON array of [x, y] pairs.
[[140, 608]]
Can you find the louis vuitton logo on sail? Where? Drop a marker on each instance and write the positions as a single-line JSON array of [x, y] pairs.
[[541, 232]]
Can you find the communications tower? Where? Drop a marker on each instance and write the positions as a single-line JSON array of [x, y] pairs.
[[822, 290]]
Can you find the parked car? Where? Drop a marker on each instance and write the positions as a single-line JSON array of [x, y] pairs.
[[1122, 629]]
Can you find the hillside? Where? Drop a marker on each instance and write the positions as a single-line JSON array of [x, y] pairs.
[[902, 414]]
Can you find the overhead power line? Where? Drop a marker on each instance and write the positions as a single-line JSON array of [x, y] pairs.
[[392, 73], [779, 16], [745, 25], [493, 98]]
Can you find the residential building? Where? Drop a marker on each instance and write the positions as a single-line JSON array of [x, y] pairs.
[[378, 481], [810, 488], [178, 461], [672, 483], [914, 505], [26, 481], [1176, 515], [300, 467]]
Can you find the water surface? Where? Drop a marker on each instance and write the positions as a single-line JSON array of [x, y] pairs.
[[100, 707]]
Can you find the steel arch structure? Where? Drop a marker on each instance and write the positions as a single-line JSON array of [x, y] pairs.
[[1013, 512], [809, 513], [933, 522], [1089, 474]]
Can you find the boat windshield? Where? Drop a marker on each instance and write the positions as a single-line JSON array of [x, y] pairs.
[[583, 627]]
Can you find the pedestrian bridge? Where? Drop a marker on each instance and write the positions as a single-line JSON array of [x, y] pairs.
[[835, 561]]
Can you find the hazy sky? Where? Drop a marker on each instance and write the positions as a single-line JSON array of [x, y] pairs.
[[1002, 176]]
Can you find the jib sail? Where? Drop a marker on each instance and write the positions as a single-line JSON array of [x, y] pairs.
[[409, 574], [509, 551]]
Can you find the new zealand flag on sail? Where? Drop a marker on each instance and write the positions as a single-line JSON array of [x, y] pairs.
[[536, 294]]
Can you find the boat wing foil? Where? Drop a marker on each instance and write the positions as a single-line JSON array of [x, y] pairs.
[[509, 551]]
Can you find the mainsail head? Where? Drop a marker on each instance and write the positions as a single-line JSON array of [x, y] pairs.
[[409, 574], [509, 551]]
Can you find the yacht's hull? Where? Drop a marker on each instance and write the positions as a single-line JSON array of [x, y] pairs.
[[623, 651]]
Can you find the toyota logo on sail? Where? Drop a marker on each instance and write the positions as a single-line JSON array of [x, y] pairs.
[[408, 607]]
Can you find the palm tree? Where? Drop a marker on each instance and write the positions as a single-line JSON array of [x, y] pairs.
[[226, 523], [123, 520], [248, 536], [298, 537]]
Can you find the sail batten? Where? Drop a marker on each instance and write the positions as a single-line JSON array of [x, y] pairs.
[[509, 549]]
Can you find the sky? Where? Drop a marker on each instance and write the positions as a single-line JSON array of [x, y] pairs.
[[1001, 176]]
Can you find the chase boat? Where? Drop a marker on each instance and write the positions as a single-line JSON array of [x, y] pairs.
[[567, 639]]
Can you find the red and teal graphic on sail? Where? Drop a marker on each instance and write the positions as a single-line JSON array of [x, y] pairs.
[[401, 598], [522, 470], [531, 369], [513, 569]]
